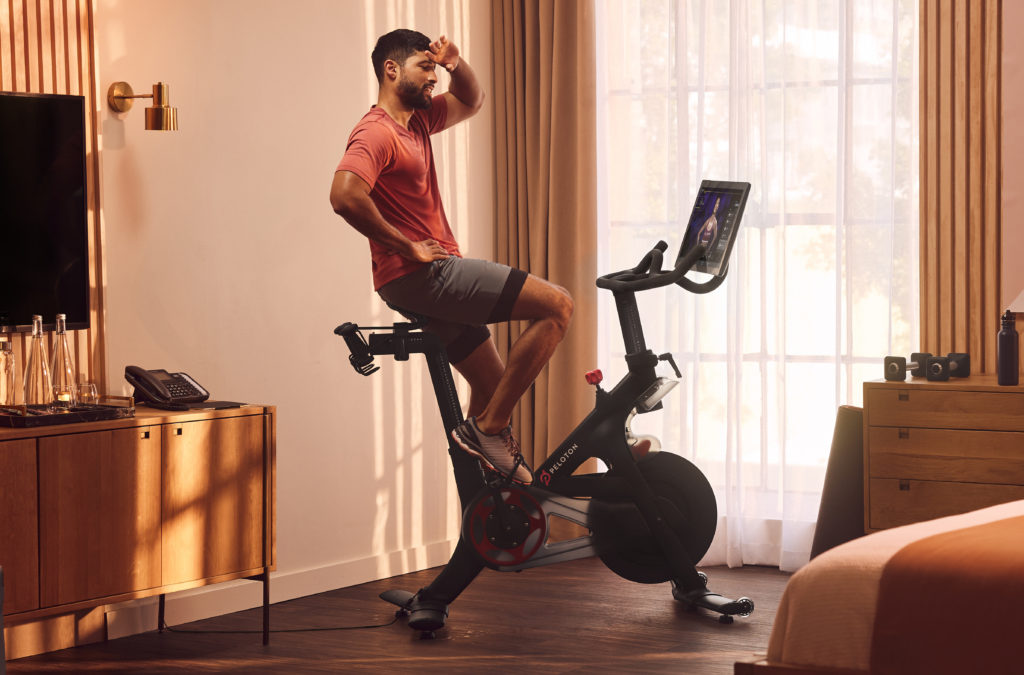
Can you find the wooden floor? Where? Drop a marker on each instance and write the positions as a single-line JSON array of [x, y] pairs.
[[570, 618]]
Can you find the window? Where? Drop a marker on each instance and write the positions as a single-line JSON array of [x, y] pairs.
[[814, 102]]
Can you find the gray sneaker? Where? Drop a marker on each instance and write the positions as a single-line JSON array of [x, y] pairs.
[[499, 452]]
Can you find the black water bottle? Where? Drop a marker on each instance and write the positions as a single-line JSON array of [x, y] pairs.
[[1008, 350]]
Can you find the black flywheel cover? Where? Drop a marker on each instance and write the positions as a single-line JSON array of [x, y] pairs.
[[685, 501]]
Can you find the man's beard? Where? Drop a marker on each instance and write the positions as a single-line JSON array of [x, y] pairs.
[[413, 96]]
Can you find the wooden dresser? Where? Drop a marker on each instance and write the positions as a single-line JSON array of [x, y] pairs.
[[97, 513], [935, 449]]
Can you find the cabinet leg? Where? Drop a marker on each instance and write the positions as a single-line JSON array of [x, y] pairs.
[[266, 606], [160, 614]]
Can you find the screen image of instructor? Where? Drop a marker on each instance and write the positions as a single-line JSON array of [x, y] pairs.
[[709, 230]]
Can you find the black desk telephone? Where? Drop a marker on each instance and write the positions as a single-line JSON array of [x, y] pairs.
[[164, 390], [171, 391]]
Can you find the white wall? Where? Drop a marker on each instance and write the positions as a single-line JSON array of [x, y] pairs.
[[223, 259]]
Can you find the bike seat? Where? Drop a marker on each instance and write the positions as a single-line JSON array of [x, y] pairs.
[[418, 320]]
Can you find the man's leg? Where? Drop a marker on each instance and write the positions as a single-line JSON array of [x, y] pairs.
[[482, 369], [494, 388], [458, 292], [549, 309]]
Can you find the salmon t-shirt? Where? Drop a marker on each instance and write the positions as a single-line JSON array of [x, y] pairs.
[[398, 165]]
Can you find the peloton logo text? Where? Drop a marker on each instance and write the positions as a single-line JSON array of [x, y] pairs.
[[545, 477]]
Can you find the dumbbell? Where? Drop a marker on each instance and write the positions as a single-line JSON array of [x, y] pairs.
[[923, 364], [941, 368], [896, 366]]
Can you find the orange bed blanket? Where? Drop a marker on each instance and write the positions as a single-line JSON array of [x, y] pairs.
[[942, 596], [952, 603]]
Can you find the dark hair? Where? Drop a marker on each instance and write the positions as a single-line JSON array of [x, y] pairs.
[[397, 45]]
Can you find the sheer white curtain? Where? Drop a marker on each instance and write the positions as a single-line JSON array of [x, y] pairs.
[[814, 102]]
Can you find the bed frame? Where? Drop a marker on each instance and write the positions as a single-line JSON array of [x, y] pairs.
[[761, 666]]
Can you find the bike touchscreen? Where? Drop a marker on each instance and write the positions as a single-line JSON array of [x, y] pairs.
[[714, 221]]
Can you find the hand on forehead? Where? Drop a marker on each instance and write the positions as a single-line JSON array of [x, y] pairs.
[[417, 58]]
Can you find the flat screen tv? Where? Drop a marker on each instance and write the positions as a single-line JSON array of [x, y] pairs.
[[44, 246]]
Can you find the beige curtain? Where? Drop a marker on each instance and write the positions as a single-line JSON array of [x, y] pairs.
[[546, 201], [960, 178]]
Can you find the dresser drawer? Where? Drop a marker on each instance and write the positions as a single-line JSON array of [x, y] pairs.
[[896, 502], [945, 409], [950, 455]]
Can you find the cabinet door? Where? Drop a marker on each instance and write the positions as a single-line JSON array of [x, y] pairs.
[[19, 538], [99, 514], [212, 498]]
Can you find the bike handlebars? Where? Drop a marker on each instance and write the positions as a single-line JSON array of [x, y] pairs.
[[648, 273], [360, 357]]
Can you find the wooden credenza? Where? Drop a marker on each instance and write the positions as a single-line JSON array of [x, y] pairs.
[[935, 449], [98, 513]]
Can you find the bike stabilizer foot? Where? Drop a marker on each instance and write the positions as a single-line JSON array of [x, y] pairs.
[[702, 597], [424, 614]]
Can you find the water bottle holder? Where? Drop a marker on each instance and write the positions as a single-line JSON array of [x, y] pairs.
[[649, 400]]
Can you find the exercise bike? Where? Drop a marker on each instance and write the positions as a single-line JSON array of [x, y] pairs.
[[650, 516]]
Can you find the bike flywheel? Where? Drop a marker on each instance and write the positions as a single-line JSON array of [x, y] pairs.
[[685, 501]]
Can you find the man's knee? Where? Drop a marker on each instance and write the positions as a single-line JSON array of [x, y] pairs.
[[562, 307], [542, 300]]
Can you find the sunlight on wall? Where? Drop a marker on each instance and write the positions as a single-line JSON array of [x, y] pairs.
[[409, 449], [382, 512], [370, 30], [452, 149]]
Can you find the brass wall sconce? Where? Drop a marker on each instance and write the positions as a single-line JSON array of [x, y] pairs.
[[159, 117]]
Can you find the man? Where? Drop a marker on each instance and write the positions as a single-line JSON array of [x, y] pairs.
[[386, 188]]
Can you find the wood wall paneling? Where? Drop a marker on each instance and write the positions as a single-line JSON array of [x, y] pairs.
[[960, 147], [47, 47], [992, 177]]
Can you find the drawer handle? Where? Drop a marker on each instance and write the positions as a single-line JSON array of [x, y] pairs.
[[904, 486], [145, 435], [904, 433], [177, 432], [903, 396]]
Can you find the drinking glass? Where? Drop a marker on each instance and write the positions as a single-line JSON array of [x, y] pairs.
[[87, 394], [63, 397], [6, 372]]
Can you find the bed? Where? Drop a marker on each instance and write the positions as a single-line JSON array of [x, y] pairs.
[[942, 596]]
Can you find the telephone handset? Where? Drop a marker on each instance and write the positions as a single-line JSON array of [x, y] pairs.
[[164, 389]]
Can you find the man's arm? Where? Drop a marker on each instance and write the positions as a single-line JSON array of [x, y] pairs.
[[350, 199], [464, 97]]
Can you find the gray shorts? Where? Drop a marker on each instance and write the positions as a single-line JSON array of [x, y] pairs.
[[459, 297]]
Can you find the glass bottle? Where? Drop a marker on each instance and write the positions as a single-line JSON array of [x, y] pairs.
[[1008, 351], [6, 371], [38, 385], [62, 367]]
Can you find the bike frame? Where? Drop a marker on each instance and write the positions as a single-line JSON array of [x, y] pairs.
[[601, 434]]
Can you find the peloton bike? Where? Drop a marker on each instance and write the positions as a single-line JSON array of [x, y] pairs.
[[650, 516]]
